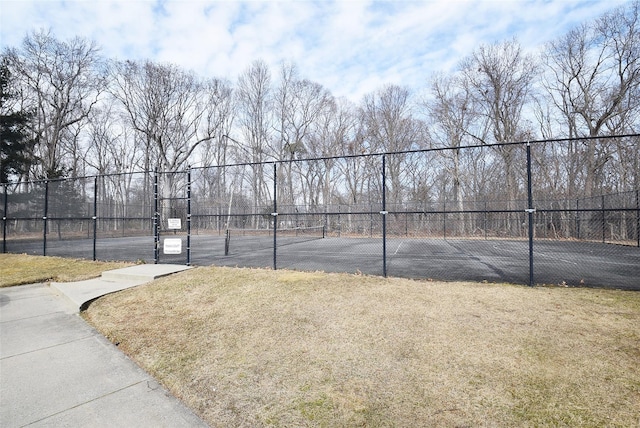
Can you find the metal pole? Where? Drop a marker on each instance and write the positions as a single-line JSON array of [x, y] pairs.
[[95, 216], [156, 238], [484, 218], [4, 220], [326, 216], [189, 217], [637, 216], [444, 218], [384, 217], [274, 214], [44, 218], [578, 218], [530, 211], [604, 225], [406, 221]]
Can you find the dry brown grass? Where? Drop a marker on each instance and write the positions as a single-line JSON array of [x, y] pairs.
[[248, 347], [18, 269]]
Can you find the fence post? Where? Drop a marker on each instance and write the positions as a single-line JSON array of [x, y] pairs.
[[189, 216], [578, 218], [274, 214], [637, 216], [326, 216], [444, 217], [4, 219], [406, 221], [95, 216], [604, 223], [384, 217], [530, 211], [485, 222], [155, 217], [44, 218], [370, 219]]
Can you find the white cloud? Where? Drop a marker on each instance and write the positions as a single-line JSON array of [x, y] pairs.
[[351, 47]]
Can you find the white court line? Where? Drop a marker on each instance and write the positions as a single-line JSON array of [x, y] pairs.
[[537, 253], [397, 249], [604, 262]]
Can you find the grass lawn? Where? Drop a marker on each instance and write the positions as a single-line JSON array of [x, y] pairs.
[[18, 269], [251, 347]]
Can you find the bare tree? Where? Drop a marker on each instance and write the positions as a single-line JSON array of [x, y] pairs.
[[356, 169], [499, 77], [452, 115], [220, 115], [168, 108], [593, 78], [298, 105], [391, 127], [60, 81], [334, 130], [113, 154], [253, 97]]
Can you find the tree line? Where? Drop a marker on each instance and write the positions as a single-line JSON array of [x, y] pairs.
[[66, 111]]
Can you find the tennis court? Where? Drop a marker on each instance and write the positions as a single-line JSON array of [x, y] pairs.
[[570, 263], [370, 216], [555, 262]]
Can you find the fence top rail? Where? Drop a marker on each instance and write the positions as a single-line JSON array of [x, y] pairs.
[[426, 150], [481, 144]]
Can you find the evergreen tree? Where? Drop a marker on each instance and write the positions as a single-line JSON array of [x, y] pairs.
[[15, 144]]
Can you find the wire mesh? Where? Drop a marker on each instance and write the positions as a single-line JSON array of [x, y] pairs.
[[448, 213]]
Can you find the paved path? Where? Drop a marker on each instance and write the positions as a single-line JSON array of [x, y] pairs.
[[55, 370]]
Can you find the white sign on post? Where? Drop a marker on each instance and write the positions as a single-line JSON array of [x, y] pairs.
[[173, 246], [174, 223]]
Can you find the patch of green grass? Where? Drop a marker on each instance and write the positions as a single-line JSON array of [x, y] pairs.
[[317, 410], [19, 269]]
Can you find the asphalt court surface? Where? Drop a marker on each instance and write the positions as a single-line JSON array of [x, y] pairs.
[[572, 263]]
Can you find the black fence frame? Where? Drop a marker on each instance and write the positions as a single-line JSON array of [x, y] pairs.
[[92, 215]]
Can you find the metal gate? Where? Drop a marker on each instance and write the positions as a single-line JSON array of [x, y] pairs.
[[172, 217]]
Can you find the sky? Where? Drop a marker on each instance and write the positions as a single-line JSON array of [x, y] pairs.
[[351, 47]]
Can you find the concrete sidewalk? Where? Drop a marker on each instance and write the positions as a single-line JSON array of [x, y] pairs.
[[82, 293], [56, 370]]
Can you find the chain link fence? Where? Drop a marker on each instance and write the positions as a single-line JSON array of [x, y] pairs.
[[512, 212]]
